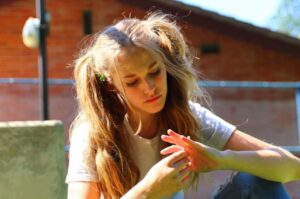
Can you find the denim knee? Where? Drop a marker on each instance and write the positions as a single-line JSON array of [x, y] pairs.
[[246, 186]]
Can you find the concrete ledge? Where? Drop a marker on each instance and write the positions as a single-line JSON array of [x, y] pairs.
[[32, 163]]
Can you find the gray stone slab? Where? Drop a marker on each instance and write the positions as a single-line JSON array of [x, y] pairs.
[[32, 164]]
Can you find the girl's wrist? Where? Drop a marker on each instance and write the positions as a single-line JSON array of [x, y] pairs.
[[140, 190], [145, 190], [226, 160]]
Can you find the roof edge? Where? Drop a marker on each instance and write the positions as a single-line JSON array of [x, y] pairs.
[[223, 24]]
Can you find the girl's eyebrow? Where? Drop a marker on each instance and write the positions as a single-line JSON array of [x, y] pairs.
[[149, 67]]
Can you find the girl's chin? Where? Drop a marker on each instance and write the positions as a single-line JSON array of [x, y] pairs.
[[154, 110], [150, 108]]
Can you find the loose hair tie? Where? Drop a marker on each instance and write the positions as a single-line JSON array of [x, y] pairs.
[[101, 77]]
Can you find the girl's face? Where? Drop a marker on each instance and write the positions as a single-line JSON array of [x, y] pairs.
[[141, 79]]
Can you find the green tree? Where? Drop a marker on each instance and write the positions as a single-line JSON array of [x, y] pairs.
[[287, 18]]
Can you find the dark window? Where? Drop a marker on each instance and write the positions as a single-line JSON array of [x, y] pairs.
[[87, 22], [211, 48]]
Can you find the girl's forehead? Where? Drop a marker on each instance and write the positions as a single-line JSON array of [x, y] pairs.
[[132, 59]]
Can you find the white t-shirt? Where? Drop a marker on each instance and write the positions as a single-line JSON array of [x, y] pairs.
[[145, 152]]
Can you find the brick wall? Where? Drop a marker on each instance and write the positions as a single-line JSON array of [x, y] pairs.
[[238, 59]]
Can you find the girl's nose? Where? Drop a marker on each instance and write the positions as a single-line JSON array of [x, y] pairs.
[[149, 87]]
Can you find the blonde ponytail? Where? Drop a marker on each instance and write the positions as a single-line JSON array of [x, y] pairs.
[[98, 101]]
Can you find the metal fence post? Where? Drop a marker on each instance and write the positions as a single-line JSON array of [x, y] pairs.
[[40, 9]]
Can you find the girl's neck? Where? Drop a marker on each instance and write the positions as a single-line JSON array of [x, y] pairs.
[[148, 123]]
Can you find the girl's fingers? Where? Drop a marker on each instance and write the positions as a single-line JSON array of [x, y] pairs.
[[171, 149], [188, 141], [186, 180], [183, 177], [173, 133], [184, 174], [180, 165], [168, 139], [179, 139], [176, 156], [173, 138]]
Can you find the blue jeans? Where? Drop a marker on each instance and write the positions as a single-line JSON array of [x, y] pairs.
[[246, 186]]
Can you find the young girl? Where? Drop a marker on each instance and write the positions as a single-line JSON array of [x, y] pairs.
[[134, 83]]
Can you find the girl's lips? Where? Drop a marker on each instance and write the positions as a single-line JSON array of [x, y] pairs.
[[153, 99]]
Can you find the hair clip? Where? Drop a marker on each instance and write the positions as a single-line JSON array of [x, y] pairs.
[[101, 77]]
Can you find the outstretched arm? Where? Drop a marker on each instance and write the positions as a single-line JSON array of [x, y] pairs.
[[242, 153]]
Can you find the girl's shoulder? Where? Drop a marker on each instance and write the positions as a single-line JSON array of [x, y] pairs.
[[197, 109], [80, 132], [194, 105]]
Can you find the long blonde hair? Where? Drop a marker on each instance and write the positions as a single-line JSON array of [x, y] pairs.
[[104, 108]]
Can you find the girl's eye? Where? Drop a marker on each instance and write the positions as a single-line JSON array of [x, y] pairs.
[[156, 72], [131, 83]]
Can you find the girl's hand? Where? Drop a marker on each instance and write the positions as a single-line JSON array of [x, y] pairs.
[[167, 176], [202, 158]]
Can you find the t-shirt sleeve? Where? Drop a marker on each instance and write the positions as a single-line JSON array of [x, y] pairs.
[[215, 132], [81, 166]]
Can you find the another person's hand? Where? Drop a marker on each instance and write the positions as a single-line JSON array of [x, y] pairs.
[[202, 158], [168, 176]]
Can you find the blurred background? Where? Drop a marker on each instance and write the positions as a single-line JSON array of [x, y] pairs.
[[248, 54]]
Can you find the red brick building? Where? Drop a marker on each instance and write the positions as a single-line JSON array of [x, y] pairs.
[[228, 50], [241, 46]]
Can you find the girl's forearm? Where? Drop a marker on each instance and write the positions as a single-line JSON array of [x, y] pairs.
[[138, 191], [274, 163]]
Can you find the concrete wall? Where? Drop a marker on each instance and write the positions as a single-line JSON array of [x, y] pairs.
[[32, 160]]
